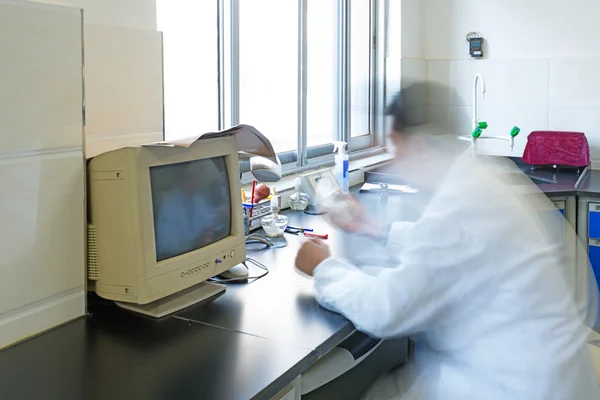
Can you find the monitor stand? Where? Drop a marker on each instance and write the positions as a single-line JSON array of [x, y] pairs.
[[176, 302]]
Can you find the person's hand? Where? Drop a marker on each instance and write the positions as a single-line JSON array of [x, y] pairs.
[[349, 215], [312, 253]]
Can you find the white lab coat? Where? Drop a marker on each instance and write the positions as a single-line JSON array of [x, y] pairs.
[[480, 289]]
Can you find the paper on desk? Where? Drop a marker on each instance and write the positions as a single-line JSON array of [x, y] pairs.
[[391, 188], [249, 141]]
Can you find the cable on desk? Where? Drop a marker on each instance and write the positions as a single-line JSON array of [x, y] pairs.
[[255, 238], [248, 279]]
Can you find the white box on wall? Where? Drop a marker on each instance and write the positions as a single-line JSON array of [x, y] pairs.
[[42, 215], [123, 87]]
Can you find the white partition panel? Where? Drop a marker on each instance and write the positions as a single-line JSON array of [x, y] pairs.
[[42, 237], [123, 87]]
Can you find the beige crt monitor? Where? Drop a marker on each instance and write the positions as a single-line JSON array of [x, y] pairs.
[[163, 220]]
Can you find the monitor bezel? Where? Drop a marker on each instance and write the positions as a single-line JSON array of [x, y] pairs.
[[159, 156]]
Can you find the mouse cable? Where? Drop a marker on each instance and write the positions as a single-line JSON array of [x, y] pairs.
[[248, 279]]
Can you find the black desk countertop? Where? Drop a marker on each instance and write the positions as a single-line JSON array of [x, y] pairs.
[[590, 185], [565, 179], [115, 355], [250, 342]]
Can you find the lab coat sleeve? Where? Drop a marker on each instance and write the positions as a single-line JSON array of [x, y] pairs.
[[396, 302], [396, 235]]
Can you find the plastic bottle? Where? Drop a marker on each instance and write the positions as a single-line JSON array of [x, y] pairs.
[[298, 199], [341, 165]]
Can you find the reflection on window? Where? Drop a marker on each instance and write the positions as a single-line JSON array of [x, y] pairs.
[[322, 75], [190, 66], [360, 67], [268, 69]]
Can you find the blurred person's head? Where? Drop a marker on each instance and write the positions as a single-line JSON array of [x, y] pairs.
[[422, 145]]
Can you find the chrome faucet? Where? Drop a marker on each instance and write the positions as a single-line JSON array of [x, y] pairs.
[[478, 78]]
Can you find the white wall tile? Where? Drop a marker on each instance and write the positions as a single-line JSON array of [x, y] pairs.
[[123, 76], [139, 14], [412, 29], [41, 98], [462, 76], [459, 120], [437, 25], [508, 82], [575, 82], [441, 90], [42, 232], [525, 82], [413, 70]]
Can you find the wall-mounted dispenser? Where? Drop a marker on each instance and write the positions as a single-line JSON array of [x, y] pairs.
[[475, 44]]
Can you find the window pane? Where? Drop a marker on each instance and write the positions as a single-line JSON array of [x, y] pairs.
[[322, 75], [190, 66], [360, 66], [268, 68]]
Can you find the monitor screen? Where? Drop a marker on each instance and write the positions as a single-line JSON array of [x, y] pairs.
[[191, 204]]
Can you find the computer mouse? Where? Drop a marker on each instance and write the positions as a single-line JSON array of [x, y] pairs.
[[239, 272]]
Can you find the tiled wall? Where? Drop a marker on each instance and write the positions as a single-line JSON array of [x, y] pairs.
[[44, 141], [139, 14], [41, 169], [123, 73], [542, 67], [123, 87]]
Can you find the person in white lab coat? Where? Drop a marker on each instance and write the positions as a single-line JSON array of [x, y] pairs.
[[478, 284]]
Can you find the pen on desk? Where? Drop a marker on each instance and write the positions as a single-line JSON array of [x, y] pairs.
[[244, 198], [252, 195], [300, 228], [317, 235]]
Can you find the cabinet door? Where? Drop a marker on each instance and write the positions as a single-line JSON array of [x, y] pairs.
[[594, 254], [554, 221], [594, 221]]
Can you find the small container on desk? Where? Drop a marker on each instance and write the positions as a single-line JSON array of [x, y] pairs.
[[260, 210], [274, 224]]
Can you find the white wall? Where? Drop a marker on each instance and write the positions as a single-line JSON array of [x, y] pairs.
[[414, 64], [139, 14], [42, 218], [41, 169], [123, 73], [123, 87], [542, 67]]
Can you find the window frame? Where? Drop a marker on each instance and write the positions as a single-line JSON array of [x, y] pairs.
[[304, 157]]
